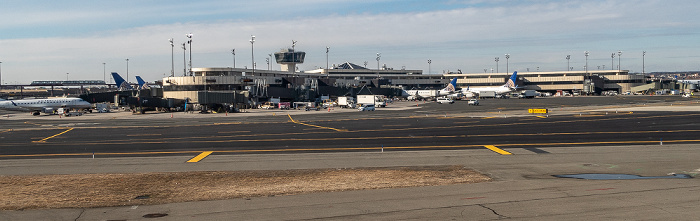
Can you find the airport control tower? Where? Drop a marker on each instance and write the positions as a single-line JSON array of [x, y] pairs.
[[288, 58]]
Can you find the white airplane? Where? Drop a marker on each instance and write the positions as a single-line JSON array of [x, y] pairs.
[[449, 90], [48, 105], [508, 87]]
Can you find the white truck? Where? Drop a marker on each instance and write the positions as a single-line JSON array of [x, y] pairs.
[[528, 94], [377, 100], [346, 102]]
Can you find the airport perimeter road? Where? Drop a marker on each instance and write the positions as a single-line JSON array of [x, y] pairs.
[[367, 132]]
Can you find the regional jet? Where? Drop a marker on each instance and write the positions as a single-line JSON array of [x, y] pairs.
[[450, 89], [49, 105], [509, 86]]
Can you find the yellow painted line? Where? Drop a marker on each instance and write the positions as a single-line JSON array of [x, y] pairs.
[[58, 134], [200, 157], [311, 125], [5, 131], [541, 116], [497, 150]]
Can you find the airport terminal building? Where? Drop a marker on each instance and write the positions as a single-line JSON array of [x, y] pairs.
[[592, 82], [348, 79]]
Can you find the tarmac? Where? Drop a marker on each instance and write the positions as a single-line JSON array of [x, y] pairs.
[[523, 188]]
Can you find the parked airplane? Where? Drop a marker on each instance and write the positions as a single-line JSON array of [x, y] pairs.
[[509, 86], [49, 105], [121, 83], [450, 89], [142, 83]]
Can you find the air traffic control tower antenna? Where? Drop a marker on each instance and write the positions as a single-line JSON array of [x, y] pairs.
[[288, 58]]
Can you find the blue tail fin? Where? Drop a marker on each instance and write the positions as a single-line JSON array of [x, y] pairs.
[[121, 83], [512, 80], [142, 83], [452, 86]]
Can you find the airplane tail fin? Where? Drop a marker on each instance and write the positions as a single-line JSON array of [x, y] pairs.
[[142, 83], [452, 86], [511, 81], [121, 83]]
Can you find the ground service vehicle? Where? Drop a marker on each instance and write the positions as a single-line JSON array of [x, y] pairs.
[[473, 102], [366, 107], [445, 100]]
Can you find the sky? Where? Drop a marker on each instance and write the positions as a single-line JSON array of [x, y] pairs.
[[70, 39]]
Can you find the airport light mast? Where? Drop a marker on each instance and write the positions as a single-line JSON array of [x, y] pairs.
[[184, 60], [104, 72], [568, 65], [233, 51], [252, 54], [619, 59], [586, 53], [327, 50], [190, 43], [127, 71], [496, 64], [429, 62], [378, 58], [612, 61], [172, 58], [644, 53], [507, 57]]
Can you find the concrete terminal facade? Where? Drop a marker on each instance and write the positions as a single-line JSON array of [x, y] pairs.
[[601, 80], [260, 83]]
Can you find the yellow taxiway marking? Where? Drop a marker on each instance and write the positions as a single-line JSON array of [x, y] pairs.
[[58, 134], [8, 130], [497, 150], [200, 157], [311, 125]]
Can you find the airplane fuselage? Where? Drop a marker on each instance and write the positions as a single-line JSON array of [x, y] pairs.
[[38, 105]]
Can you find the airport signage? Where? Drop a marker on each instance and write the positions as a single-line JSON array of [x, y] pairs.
[[537, 111]]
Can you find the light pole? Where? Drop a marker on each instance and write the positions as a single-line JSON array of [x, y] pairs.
[[190, 43], [172, 58], [104, 72], [586, 53], [429, 62], [496, 64], [327, 50], [127, 71], [568, 57], [507, 57], [184, 60], [233, 52], [644, 53], [267, 60], [612, 61], [270, 56], [378, 58], [619, 57], [252, 54], [66, 76], [0, 74]]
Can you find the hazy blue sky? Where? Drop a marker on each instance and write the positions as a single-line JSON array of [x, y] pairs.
[[44, 40]]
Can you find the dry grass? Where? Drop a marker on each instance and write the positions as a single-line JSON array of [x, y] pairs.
[[102, 190]]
